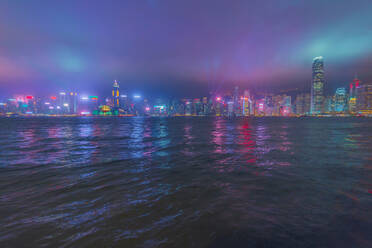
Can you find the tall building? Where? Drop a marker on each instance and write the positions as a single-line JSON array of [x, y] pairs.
[[302, 104], [63, 103], [340, 100], [317, 87], [285, 108], [246, 103], [230, 108], [299, 104], [364, 99], [353, 94], [116, 95], [72, 102], [236, 98]]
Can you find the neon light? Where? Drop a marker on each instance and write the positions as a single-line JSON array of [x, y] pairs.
[[12, 100], [84, 98], [123, 96], [85, 113], [47, 103], [58, 107], [29, 97], [28, 112], [137, 96], [218, 99], [65, 104], [2, 104], [147, 109], [51, 107], [53, 97], [62, 93]]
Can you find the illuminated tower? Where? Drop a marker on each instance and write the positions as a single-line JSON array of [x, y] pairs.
[[317, 87], [353, 95], [364, 99], [115, 94], [246, 103], [340, 100], [236, 105]]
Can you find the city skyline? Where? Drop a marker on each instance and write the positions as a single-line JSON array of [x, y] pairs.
[[181, 48], [232, 103]]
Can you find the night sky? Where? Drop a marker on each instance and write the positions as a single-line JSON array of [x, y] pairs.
[[179, 47]]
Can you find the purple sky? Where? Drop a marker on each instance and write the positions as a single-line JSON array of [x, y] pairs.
[[182, 47]]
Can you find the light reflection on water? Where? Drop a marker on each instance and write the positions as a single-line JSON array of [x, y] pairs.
[[186, 182]]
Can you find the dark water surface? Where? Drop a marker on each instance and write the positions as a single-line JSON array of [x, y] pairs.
[[185, 182]]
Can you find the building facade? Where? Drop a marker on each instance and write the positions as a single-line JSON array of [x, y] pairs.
[[317, 87]]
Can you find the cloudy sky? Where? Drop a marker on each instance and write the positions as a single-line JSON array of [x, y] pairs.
[[181, 47]]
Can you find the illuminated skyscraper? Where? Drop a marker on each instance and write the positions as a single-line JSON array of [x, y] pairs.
[[116, 95], [72, 102], [299, 104], [246, 103], [302, 104], [354, 88], [236, 100], [317, 87], [364, 99], [340, 100]]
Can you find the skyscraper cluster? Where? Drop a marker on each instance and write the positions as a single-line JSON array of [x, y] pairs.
[[358, 101], [231, 103]]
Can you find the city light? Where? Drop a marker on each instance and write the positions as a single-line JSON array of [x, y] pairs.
[[29, 112], [344, 102], [160, 107]]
